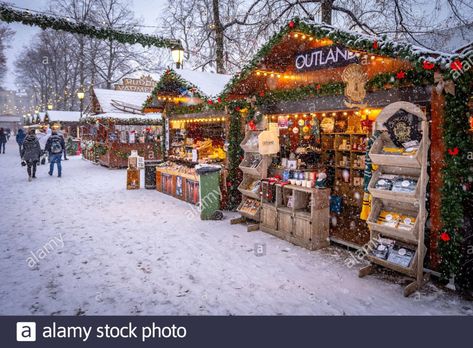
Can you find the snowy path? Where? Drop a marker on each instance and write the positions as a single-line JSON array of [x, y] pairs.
[[136, 252]]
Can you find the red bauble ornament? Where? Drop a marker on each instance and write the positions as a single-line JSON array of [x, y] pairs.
[[453, 151], [456, 65], [428, 65], [375, 44], [237, 108], [400, 75], [210, 102], [318, 87], [445, 236], [219, 100], [292, 24], [261, 94], [252, 125]]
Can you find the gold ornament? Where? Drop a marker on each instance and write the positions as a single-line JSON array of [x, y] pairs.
[[355, 78]]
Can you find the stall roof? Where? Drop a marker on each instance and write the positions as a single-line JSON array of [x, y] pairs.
[[353, 40], [61, 116], [109, 99], [210, 84], [125, 116], [10, 118]]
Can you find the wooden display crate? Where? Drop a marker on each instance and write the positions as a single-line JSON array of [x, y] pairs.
[[409, 197], [410, 271], [255, 216], [249, 148], [377, 157], [244, 183], [259, 170], [410, 236]]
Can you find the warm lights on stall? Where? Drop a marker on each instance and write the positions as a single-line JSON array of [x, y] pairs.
[[173, 99], [305, 37], [181, 123], [275, 74]]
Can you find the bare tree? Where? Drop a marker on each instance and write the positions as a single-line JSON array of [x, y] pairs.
[[5, 36], [222, 34]]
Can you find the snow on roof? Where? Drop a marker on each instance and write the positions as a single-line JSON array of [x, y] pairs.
[[125, 115], [211, 84], [59, 115], [141, 73], [10, 118], [449, 40], [106, 97]]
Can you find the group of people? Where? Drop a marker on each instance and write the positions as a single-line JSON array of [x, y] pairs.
[[33, 150]]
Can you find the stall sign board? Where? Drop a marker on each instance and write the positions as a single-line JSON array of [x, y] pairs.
[[268, 142], [403, 127], [324, 57]]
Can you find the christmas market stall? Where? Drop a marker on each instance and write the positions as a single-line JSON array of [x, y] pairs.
[[196, 129], [339, 130], [115, 126], [67, 123]]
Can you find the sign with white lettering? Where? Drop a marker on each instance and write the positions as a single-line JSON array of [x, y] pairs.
[[324, 57], [143, 84]]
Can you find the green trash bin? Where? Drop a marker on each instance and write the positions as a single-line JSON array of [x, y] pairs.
[[209, 192]]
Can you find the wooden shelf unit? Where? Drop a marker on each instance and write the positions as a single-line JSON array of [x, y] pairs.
[[306, 223], [399, 202], [251, 174]]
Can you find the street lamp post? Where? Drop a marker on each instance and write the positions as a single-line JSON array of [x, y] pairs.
[[178, 55], [80, 95]]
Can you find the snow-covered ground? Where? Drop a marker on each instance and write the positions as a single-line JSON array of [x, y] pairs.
[[106, 250]]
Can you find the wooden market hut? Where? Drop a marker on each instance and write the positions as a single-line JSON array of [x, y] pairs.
[[196, 127], [115, 125], [309, 71]]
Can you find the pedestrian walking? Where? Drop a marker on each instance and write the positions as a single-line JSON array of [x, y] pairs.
[[43, 137], [30, 153], [3, 140], [55, 147], [20, 137]]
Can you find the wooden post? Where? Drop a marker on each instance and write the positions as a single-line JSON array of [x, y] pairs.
[[437, 151]]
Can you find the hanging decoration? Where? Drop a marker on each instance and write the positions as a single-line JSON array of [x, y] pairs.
[[10, 15]]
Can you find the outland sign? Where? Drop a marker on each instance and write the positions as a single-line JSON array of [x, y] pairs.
[[325, 57]]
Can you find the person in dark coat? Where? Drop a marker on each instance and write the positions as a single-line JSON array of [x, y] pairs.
[[30, 153], [20, 137], [3, 140], [55, 147]]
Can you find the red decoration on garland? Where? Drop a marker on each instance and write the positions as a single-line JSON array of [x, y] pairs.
[[445, 236], [453, 151], [456, 65], [292, 24], [210, 102], [428, 65], [400, 75], [219, 100], [318, 87], [252, 125], [261, 94], [375, 44], [237, 108]]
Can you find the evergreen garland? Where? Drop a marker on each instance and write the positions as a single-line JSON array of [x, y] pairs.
[[457, 173], [169, 83], [235, 154], [10, 15]]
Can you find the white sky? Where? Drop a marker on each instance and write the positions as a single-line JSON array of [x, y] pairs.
[[147, 10]]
